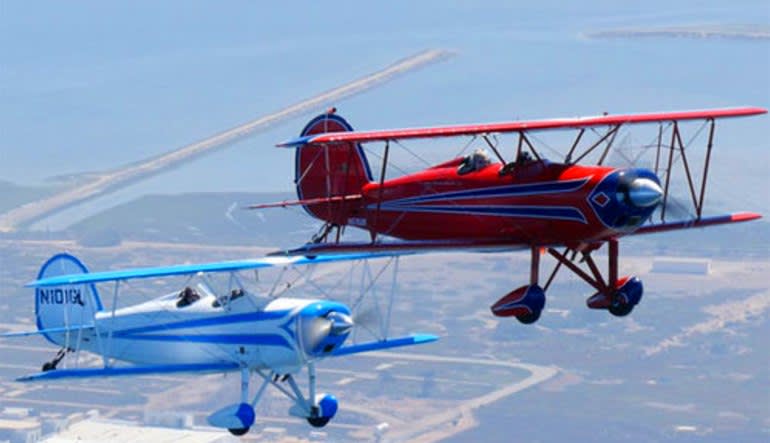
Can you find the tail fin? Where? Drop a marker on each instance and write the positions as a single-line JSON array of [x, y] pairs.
[[67, 306], [332, 170]]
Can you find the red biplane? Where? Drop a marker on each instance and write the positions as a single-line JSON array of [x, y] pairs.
[[473, 202]]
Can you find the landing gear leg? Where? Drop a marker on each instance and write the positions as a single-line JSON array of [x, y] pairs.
[[525, 303], [617, 295], [618, 307], [316, 409], [534, 277], [245, 411]]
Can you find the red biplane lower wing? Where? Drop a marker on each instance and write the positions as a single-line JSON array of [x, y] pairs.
[[417, 247], [400, 247], [703, 222]]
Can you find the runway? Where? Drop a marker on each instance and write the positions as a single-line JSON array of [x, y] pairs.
[[103, 183]]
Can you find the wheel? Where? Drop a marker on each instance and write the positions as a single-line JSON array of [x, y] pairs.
[[621, 309], [239, 431], [528, 319], [318, 422]]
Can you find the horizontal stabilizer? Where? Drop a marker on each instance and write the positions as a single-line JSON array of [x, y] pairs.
[[703, 222], [307, 201], [59, 374], [47, 331], [415, 339]]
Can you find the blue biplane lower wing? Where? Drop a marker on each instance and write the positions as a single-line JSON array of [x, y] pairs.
[[58, 374], [409, 340]]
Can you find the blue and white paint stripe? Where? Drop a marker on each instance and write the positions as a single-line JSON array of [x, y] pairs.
[[554, 187]]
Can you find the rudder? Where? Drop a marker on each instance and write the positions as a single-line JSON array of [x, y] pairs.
[[66, 306], [330, 170]]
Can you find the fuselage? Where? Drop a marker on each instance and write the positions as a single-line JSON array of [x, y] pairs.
[[538, 202], [256, 332]]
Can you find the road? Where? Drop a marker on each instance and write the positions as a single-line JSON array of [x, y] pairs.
[[109, 181], [440, 425]]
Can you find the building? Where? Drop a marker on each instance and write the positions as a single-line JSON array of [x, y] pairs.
[[92, 430]]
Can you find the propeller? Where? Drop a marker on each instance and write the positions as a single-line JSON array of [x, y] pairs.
[[368, 318], [316, 330], [640, 192], [624, 155], [675, 209]]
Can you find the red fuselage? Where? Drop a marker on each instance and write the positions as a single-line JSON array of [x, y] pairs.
[[535, 203]]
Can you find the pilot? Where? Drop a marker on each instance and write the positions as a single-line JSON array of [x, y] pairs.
[[187, 297], [524, 158], [474, 161], [236, 293]]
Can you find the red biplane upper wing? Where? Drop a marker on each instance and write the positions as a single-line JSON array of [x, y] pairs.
[[532, 125]]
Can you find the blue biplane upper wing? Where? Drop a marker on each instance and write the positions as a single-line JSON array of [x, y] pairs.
[[226, 266]]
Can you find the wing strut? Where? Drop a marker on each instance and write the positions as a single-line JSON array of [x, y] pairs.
[[590, 149], [710, 145], [373, 233], [494, 148], [575, 144], [112, 323], [697, 196]]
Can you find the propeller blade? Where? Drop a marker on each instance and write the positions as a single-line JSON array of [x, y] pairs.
[[367, 318], [676, 209], [314, 331], [317, 329]]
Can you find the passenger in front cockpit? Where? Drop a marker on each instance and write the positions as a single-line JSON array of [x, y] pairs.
[[475, 161], [187, 297], [236, 293]]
